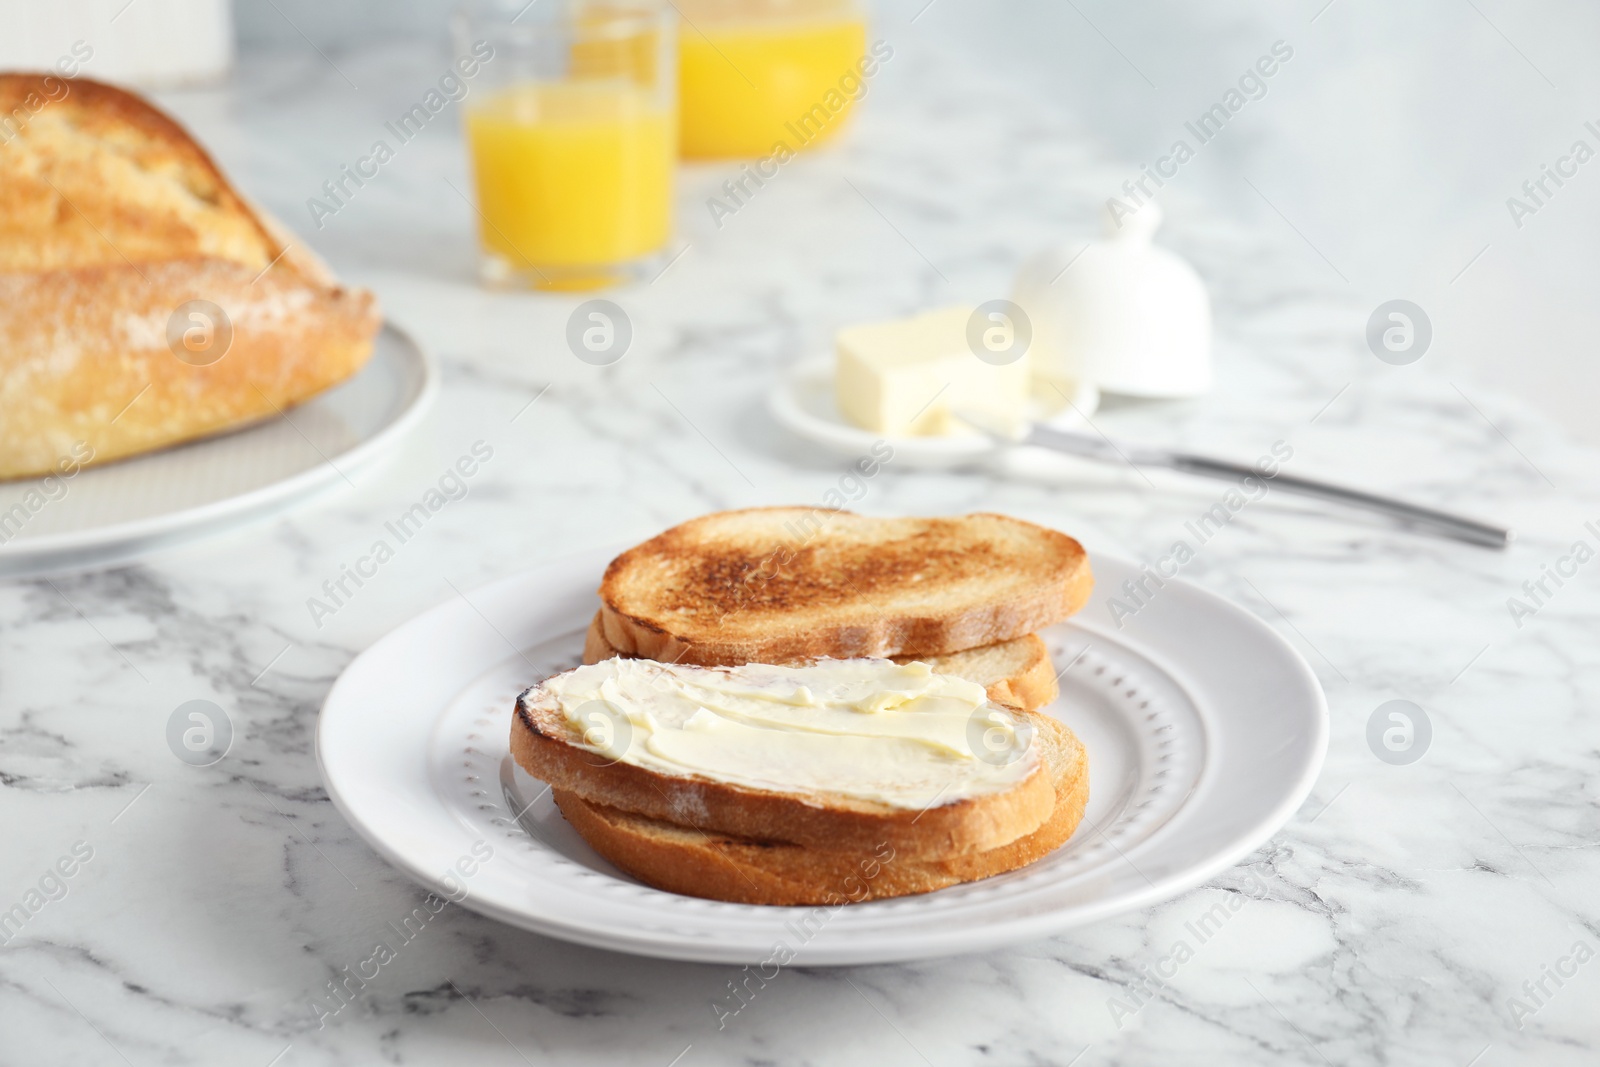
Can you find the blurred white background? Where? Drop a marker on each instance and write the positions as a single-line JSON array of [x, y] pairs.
[[1391, 142]]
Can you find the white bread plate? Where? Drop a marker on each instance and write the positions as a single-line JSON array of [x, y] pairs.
[[1205, 731], [120, 509]]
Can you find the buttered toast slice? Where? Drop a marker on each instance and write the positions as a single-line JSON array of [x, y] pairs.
[[681, 859], [783, 585], [840, 754], [1017, 673]]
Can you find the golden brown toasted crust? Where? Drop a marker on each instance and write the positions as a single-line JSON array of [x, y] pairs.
[[543, 744], [93, 176], [1017, 673], [1029, 691], [776, 585], [680, 859], [111, 217]]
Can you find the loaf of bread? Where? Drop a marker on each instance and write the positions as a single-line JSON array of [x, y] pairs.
[[143, 302]]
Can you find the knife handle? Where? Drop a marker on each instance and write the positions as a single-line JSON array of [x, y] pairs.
[[1456, 526]]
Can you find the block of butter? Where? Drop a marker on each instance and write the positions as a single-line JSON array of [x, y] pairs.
[[901, 378]]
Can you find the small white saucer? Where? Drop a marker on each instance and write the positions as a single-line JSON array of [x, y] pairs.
[[803, 402]]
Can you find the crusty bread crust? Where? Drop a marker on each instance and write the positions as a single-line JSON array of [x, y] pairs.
[[780, 585], [111, 217], [683, 860], [84, 357], [1017, 673], [544, 744], [95, 176]]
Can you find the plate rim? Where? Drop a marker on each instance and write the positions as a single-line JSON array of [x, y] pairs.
[[195, 520], [988, 936]]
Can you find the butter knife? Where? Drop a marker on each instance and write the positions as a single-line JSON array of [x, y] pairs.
[[1099, 447]]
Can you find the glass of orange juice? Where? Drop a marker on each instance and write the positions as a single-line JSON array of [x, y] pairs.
[[571, 126], [756, 73]]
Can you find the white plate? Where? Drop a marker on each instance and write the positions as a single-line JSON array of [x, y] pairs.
[[136, 504], [1205, 731], [803, 402]]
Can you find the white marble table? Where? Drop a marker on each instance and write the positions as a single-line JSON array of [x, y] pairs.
[[1392, 921]]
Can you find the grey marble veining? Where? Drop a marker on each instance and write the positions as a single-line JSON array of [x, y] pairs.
[[1391, 922]]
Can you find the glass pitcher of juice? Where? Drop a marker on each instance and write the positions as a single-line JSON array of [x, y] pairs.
[[571, 131], [753, 73]]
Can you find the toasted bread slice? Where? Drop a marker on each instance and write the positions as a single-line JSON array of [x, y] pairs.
[[595, 645], [114, 223], [547, 745], [1017, 673], [684, 860], [784, 585]]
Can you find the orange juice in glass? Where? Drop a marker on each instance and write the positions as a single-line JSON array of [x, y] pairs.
[[753, 73], [571, 131]]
